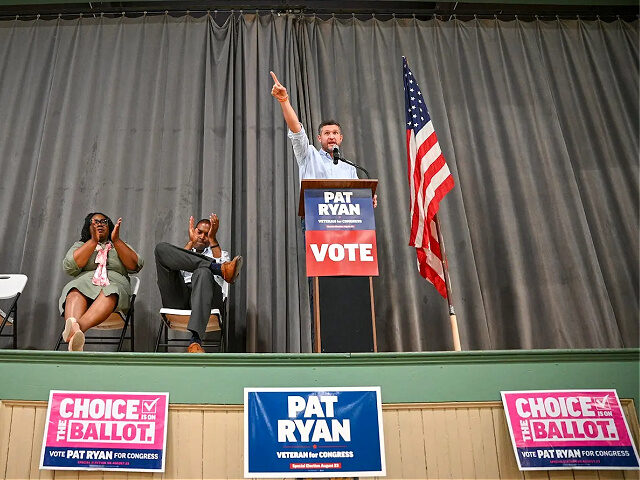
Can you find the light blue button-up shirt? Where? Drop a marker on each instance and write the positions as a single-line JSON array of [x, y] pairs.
[[313, 163]]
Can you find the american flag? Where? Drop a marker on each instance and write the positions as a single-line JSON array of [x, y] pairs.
[[429, 181]]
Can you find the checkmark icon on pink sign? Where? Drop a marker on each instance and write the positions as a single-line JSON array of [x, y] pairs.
[[601, 403], [149, 406]]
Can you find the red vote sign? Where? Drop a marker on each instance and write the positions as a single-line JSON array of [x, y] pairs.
[[341, 253]]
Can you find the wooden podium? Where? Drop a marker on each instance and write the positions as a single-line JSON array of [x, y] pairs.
[[341, 261]]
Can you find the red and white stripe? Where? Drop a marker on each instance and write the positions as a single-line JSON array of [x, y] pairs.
[[429, 181]]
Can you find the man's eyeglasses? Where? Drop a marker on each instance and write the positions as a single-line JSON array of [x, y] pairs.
[[100, 221]]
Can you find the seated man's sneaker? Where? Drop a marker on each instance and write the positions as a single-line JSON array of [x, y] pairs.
[[231, 270], [195, 347]]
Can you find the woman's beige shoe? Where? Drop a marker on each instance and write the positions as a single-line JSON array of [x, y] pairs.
[[68, 328], [76, 342]]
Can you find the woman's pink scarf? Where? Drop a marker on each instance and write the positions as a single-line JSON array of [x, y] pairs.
[[100, 277]]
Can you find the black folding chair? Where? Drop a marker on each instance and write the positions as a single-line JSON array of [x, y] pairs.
[[175, 319], [11, 286]]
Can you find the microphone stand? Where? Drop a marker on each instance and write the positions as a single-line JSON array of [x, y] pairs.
[[349, 162]]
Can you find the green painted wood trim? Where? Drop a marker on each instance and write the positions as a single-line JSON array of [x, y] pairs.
[[404, 377]]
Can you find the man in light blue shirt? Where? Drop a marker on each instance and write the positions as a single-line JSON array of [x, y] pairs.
[[312, 163]]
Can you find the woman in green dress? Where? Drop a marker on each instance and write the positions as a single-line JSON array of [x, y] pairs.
[[100, 263]]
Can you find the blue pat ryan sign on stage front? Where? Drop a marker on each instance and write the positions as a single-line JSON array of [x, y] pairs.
[[313, 432]]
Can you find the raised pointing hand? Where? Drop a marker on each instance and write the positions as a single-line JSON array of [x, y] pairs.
[[278, 90]]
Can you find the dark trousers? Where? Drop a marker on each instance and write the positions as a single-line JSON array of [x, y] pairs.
[[200, 296]]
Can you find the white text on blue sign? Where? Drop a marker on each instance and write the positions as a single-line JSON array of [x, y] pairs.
[[315, 428], [338, 203]]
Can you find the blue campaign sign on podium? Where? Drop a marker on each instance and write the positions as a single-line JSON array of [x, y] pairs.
[[313, 432], [339, 209]]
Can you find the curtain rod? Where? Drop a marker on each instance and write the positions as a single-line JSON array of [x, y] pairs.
[[362, 16]]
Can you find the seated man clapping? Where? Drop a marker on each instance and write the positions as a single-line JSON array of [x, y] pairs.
[[194, 277]]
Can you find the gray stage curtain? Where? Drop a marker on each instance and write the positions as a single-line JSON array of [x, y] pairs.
[[157, 118]]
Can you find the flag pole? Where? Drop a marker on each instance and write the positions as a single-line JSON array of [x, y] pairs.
[[447, 281]]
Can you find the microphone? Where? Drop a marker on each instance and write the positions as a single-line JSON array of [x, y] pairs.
[[336, 154]]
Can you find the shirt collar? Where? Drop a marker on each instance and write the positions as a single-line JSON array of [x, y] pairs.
[[326, 155]]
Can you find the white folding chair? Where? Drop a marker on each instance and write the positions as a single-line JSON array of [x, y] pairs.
[[116, 321], [11, 286], [175, 319]]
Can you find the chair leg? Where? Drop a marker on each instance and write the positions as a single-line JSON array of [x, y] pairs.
[[4, 322], [13, 311], [59, 341], [133, 331], [15, 327], [223, 322], [158, 337], [225, 325], [122, 335], [166, 339]]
